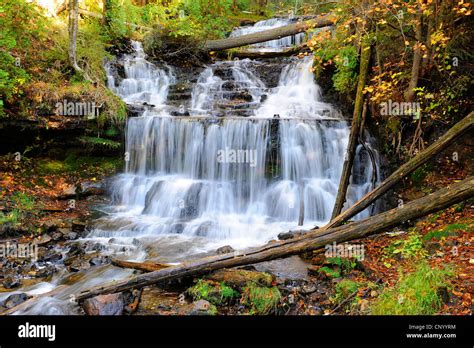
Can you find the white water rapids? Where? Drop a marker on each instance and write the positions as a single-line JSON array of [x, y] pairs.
[[193, 184]]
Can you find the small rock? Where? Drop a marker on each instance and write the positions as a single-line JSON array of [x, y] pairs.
[[57, 236], [96, 261], [44, 239], [71, 235], [111, 304], [10, 282], [225, 250], [50, 225], [289, 235], [202, 307], [64, 231], [78, 226], [14, 300]]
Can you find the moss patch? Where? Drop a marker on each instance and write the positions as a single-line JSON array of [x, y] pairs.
[[216, 293], [261, 300]]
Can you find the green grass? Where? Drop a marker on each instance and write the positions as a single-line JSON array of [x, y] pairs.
[[415, 293], [261, 300]]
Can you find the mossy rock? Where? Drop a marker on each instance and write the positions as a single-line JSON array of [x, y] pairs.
[[240, 278]]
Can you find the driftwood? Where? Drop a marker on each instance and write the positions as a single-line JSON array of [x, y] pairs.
[[268, 35], [146, 266], [441, 199], [442, 143]]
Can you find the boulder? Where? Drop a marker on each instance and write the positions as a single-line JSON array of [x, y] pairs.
[[110, 304], [14, 300]]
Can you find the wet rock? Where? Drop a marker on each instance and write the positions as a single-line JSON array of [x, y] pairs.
[[51, 225], [91, 188], [100, 260], [11, 281], [79, 265], [202, 307], [225, 250], [14, 300], [98, 247], [56, 236], [71, 235], [111, 304], [289, 235], [50, 255], [44, 239], [78, 226], [64, 230]]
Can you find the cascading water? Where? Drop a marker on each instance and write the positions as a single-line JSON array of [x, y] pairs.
[[273, 45], [193, 184]]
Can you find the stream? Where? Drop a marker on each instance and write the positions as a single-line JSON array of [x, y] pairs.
[[226, 158]]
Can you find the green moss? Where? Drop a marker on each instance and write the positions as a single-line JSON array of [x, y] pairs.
[[97, 142], [344, 289], [216, 293], [261, 300], [329, 272], [416, 293], [450, 230]]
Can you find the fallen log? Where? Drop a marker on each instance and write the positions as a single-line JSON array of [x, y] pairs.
[[146, 266], [442, 143], [268, 35], [312, 241]]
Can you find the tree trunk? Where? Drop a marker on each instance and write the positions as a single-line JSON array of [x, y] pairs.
[[417, 55], [267, 35], [442, 143], [73, 27], [355, 127], [312, 241]]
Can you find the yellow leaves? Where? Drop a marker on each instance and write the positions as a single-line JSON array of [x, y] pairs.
[[382, 21], [407, 43]]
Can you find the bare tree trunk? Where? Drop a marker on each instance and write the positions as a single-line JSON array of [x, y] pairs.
[[355, 126], [73, 27], [268, 35], [315, 240], [417, 55]]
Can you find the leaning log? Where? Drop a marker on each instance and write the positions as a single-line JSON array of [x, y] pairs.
[[442, 143], [441, 199], [355, 126], [268, 35]]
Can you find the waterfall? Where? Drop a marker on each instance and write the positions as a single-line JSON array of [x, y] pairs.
[[232, 180], [273, 45]]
